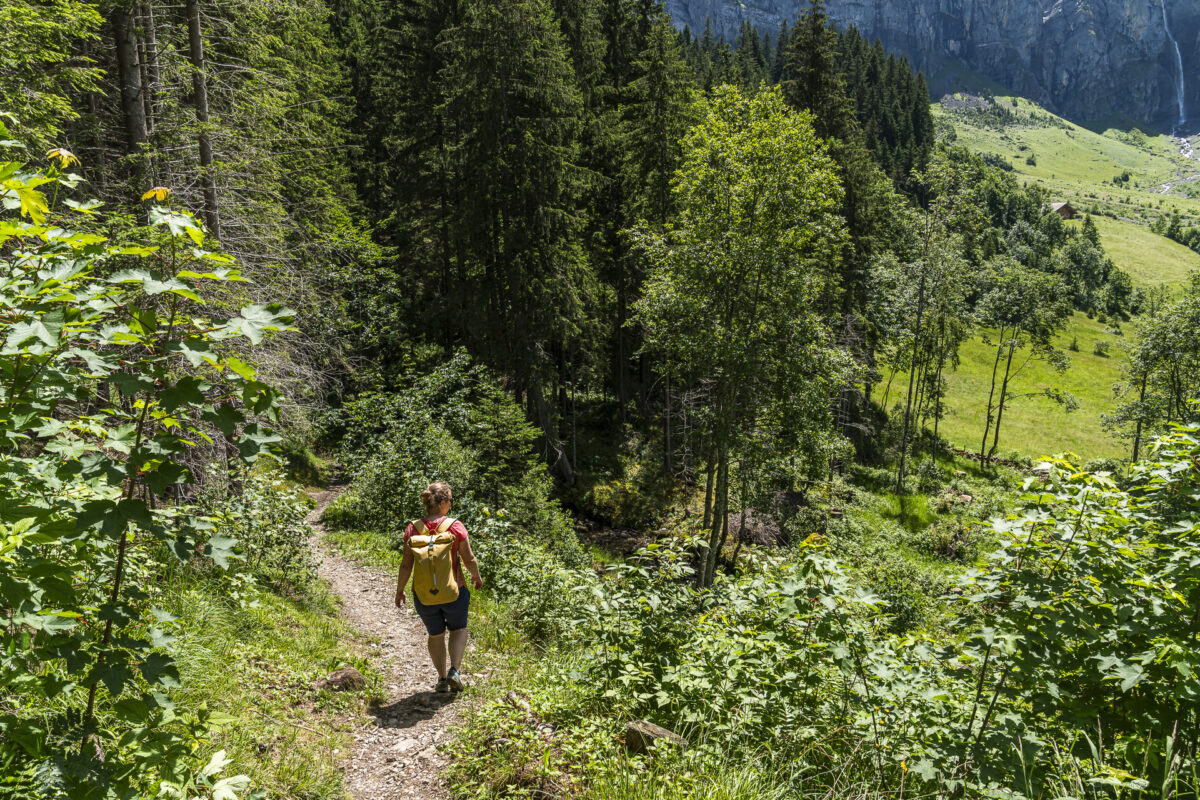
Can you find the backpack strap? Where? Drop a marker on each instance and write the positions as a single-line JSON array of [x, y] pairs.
[[419, 527], [446, 524]]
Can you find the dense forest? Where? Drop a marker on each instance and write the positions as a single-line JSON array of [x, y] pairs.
[[676, 319]]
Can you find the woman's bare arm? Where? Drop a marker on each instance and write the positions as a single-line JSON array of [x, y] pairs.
[[406, 565], [471, 563]]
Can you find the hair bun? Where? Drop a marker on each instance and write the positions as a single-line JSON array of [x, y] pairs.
[[434, 495]]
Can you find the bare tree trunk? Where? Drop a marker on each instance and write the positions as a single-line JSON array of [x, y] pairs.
[[987, 426], [129, 75], [200, 89], [560, 462], [621, 367], [667, 465], [1137, 436], [153, 77], [912, 375], [720, 512], [708, 494], [1012, 348], [937, 409]]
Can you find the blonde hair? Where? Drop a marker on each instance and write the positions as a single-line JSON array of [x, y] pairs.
[[434, 495]]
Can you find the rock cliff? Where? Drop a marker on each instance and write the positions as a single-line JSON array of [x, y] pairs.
[[1089, 60]]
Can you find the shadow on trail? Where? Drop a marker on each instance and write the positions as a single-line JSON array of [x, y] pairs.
[[412, 710]]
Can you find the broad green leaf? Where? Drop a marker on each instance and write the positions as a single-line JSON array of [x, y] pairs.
[[186, 391], [242, 368], [230, 788], [215, 765], [256, 320]]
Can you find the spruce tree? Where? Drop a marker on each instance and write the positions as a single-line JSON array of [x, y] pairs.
[[811, 80], [512, 100]]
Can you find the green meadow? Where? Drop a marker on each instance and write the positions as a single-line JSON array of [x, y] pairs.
[[1035, 425], [1078, 166]]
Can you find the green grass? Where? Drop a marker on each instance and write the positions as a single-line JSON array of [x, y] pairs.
[[256, 664], [910, 511], [1076, 165], [1036, 426], [1150, 259]]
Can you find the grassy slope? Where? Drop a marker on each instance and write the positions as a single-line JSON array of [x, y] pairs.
[[1149, 259], [1036, 426], [1076, 165], [257, 665]]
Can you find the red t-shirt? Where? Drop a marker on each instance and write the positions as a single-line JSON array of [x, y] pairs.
[[460, 532]]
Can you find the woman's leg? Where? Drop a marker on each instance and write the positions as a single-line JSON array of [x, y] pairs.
[[456, 622], [437, 651], [458, 646]]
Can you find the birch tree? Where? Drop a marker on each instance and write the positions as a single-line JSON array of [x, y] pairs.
[[731, 298]]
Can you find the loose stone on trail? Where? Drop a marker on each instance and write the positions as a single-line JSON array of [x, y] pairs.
[[347, 679]]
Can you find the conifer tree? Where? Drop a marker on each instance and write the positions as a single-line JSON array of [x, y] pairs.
[[811, 80], [512, 100]]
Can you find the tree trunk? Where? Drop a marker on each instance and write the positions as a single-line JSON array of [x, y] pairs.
[[987, 426], [667, 465], [132, 108], [708, 495], [621, 367], [937, 408], [720, 511], [200, 89], [1137, 435], [1012, 348], [556, 456], [153, 77], [912, 376]]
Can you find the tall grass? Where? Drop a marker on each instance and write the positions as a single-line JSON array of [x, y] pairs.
[[669, 779], [254, 665]]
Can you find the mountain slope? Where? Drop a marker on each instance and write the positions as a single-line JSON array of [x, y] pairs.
[[1076, 165]]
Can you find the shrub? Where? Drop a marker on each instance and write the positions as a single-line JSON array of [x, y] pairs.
[[905, 589], [953, 539], [622, 502], [117, 370], [1100, 348], [267, 518]]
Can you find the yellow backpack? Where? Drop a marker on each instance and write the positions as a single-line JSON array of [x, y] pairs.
[[433, 563]]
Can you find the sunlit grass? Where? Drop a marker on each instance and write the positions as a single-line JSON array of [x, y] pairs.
[[1149, 259], [1078, 165], [1034, 425], [257, 664]]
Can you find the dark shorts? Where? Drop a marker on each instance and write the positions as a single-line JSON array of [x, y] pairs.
[[447, 615]]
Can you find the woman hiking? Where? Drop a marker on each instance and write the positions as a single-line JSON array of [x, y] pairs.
[[433, 546]]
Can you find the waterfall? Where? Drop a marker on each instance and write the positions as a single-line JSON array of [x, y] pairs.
[[1179, 79]]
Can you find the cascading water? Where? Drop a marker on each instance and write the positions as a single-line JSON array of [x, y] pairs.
[[1180, 87]]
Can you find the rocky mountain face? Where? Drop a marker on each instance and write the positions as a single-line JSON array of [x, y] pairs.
[[1089, 60]]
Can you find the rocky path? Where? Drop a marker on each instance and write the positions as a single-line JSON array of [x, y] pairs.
[[397, 754]]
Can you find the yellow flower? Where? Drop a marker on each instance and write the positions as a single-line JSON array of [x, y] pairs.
[[158, 193], [63, 156], [904, 766]]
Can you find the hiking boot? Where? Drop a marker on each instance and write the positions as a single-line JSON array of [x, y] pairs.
[[443, 686], [457, 683]]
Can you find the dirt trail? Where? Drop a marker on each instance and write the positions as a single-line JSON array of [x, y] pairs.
[[396, 754]]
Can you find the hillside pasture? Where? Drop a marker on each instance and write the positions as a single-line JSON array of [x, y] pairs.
[[1035, 425]]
